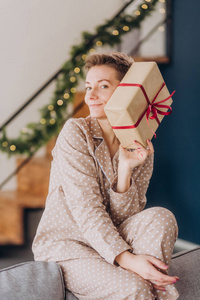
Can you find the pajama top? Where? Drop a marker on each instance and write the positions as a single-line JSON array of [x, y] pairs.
[[83, 210]]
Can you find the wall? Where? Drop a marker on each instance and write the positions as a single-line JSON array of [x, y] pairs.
[[176, 180], [36, 37]]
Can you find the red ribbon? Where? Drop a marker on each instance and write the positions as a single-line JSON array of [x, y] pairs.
[[152, 107]]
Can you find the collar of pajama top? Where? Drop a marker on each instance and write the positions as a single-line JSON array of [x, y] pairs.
[[108, 165]]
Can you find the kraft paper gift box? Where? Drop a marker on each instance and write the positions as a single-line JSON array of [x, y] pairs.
[[139, 104]]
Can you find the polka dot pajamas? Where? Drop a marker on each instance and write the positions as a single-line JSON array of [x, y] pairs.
[[86, 223]]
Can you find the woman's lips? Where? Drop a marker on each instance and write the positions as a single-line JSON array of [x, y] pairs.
[[94, 105]]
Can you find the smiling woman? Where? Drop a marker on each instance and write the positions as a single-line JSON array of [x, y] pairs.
[[104, 74], [94, 221], [101, 82]]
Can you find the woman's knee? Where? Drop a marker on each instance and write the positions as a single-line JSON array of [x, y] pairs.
[[164, 218]]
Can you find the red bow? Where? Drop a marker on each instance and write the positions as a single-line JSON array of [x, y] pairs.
[[152, 107]]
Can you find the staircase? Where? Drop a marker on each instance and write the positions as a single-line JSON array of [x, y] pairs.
[[31, 192]]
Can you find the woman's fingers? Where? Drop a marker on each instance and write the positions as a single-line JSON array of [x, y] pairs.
[[158, 277], [150, 145], [134, 158], [142, 155], [139, 146], [162, 280], [158, 263], [160, 288], [146, 266]]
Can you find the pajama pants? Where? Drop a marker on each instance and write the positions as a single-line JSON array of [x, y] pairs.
[[151, 232]]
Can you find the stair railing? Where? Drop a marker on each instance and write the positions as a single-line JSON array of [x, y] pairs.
[[45, 85], [54, 77]]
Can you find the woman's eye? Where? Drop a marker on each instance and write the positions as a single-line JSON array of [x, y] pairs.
[[104, 86], [87, 88]]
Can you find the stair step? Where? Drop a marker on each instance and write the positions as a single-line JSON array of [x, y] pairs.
[[32, 189], [12, 204], [34, 177], [11, 223], [22, 199]]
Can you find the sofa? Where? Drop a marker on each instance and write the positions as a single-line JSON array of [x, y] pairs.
[[44, 280]]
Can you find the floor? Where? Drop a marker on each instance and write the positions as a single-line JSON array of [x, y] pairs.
[[11, 255]]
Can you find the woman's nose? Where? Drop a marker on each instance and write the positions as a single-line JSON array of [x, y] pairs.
[[93, 94]]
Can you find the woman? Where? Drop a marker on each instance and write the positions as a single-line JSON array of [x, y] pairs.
[[94, 225]]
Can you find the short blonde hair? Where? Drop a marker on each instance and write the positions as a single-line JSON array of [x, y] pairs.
[[117, 60]]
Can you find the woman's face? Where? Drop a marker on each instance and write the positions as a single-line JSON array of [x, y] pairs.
[[101, 82]]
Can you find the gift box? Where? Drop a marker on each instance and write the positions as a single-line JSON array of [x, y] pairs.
[[139, 104]]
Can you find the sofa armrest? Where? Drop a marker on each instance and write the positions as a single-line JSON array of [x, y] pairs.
[[186, 265], [31, 281]]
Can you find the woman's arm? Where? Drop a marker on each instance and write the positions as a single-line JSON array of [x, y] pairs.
[[80, 185], [128, 160], [127, 193], [144, 265]]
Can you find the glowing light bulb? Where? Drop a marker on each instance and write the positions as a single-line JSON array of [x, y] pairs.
[[92, 51], [99, 43], [115, 32], [50, 107], [73, 90], [137, 12], [84, 56], [144, 6], [66, 95], [42, 121], [72, 79], [53, 113], [60, 102], [77, 70], [126, 28], [5, 144], [52, 121], [12, 147]]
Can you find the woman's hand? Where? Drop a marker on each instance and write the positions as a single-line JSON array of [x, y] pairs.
[[128, 160], [147, 267], [132, 159]]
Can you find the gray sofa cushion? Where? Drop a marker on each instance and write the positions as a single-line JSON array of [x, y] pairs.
[[32, 281], [69, 296], [44, 280], [186, 265]]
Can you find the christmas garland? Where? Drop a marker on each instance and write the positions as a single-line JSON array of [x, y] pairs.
[[56, 113]]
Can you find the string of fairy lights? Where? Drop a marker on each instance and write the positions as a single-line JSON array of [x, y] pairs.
[[53, 115]]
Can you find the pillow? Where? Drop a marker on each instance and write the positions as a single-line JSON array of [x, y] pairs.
[[32, 281]]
